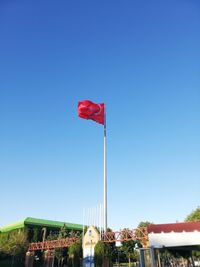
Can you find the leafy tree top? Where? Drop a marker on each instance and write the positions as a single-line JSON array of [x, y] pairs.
[[144, 223], [193, 216], [14, 243]]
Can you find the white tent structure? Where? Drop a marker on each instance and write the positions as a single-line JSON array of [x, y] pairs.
[[174, 235]]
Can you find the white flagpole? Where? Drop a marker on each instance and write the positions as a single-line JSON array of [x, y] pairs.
[[83, 226], [105, 174], [100, 220]]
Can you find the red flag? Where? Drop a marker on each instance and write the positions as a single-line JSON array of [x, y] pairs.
[[91, 111]]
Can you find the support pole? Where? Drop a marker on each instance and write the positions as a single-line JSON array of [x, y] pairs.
[[29, 260], [49, 258], [105, 175]]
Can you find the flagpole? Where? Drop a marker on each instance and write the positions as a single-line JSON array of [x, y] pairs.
[[105, 174]]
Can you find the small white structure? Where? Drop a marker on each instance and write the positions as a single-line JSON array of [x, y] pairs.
[[90, 240]]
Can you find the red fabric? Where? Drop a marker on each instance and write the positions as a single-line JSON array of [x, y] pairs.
[[91, 111]]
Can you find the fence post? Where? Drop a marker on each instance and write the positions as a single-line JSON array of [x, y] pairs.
[[49, 258], [29, 260]]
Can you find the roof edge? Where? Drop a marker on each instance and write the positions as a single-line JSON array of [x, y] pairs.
[[12, 226], [39, 222]]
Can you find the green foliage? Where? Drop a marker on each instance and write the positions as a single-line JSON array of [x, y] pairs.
[[112, 249], [75, 254], [36, 233], [141, 233], [196, 253], [62, 232], [59, 255], [177, 253], [13, 247], [194, 215], [128, 248], [74, 251], [59, 252], [144, 223], [102, 251], [119, 256], [14, 243], [52, 236]]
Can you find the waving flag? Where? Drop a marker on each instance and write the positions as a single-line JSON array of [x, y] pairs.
[[91, 111], [96, 112]]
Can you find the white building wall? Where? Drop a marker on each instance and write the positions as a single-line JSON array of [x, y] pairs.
[[173, 239]]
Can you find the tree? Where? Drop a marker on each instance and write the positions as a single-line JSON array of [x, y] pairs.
[[52, 236], [128, 247], [102, 252], [14, 244], [75, 253], [193, 216], [141, 233], [59, 252], [33, 234], [112, 245], [144, 224], [118, 255]]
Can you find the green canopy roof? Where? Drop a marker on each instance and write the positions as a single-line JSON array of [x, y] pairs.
[[13, 226], [39, 222]]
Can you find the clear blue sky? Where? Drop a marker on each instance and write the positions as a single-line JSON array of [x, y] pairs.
[[142, 58]]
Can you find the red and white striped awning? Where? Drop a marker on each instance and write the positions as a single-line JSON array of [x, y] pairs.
[[174, 234]]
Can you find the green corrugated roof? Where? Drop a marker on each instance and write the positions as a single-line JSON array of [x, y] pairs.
[[56, 224], [13, 226], [39, 222]]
